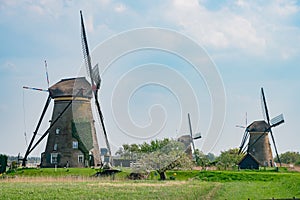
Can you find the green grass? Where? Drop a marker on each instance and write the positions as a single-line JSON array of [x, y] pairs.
[[280, 189], [79, 184], [59, 172], [38, 172], [103, 189]]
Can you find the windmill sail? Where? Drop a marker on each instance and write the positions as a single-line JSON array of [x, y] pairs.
[[277, 120], [96, 76], [266, 112], [95, 84]]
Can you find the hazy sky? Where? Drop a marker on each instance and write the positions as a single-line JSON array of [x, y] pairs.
[[252, 44]]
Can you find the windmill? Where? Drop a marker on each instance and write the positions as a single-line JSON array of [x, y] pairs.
[[72, 139], [258, 148]]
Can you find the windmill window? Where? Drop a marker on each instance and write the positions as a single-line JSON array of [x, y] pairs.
[[53, 158], [75, 145], [57, 131], [55, 147], [80, 158]]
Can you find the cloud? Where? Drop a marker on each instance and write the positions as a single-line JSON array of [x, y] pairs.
[[216, 29], [120, 8], [253, 28], [284, 8]]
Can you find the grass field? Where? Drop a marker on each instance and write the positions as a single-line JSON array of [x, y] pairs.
[[78, 184]]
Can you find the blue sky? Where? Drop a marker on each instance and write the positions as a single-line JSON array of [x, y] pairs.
[[253, 44]]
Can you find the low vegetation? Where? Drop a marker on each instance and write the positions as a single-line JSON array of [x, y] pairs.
[[227, 183], [188, 184]]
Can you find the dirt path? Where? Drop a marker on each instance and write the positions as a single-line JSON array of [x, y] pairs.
[[213, 192]]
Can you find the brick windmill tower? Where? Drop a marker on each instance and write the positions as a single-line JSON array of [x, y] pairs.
[[258, 151], [72, 139], [259, 146]]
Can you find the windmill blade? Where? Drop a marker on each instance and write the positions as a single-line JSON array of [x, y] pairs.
[[264, 106], [273, 140], [33, 88], [191, 133], [277, 120], [25, 135], [244, 139], [102, 123], [95, 88], [85, 49], [47, 76], [197, 136], [96, 76]]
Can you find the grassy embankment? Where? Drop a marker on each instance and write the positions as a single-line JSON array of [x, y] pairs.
[[78, 184]]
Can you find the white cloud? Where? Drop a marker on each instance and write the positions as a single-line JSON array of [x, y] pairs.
[[242, 3], [284, 8], [120, 8], [253, 28], [36, 9], [217, 29]]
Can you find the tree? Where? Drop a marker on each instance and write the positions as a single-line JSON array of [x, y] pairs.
[[229, 158], [133, 151], [120, 152], [202, 159], [211, 157], [169, 154], [3, 163], [289, 157]]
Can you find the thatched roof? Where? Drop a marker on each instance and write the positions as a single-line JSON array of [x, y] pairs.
[[258, 126], [70, 87]]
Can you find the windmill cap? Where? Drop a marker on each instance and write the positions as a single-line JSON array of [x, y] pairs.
[[258, 126], [70, 87]]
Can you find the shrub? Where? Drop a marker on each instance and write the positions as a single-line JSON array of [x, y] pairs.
[[3, 163]]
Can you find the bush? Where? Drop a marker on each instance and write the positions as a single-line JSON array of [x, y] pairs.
[[289, 157], [3, 163]]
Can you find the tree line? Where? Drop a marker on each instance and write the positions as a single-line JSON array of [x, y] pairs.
[[227, 159]]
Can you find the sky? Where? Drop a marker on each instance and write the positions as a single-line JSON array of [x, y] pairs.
[[204, 55]]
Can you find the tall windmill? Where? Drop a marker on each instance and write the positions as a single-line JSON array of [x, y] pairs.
[[188, 141], [72, 139], [258, 148]]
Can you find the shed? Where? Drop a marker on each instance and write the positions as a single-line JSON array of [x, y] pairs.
[[249, 162]]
